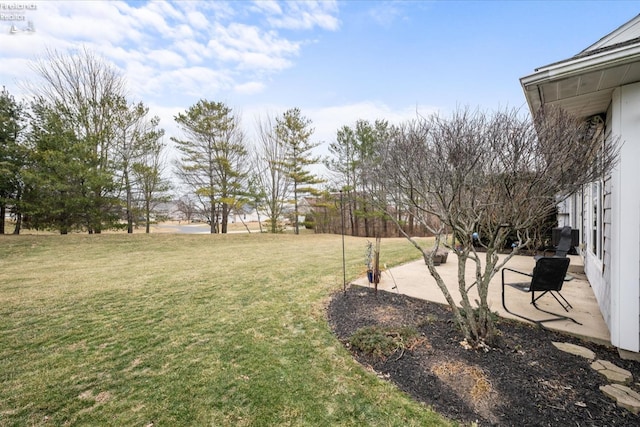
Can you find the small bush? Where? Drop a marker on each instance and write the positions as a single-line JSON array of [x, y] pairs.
[[309, 222], [383, 342]]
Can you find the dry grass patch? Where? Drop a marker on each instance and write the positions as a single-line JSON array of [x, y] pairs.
[[470, 383]]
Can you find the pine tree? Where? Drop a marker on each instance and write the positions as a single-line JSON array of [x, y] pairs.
[[12, 157], [214, 160], [293, 131]]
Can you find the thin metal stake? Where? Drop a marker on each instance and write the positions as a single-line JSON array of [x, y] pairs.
[[395, 285], [344, 268]]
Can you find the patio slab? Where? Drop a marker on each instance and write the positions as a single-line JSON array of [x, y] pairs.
[[413, 279]]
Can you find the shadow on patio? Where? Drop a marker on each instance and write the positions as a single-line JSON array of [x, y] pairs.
[[413, 279]]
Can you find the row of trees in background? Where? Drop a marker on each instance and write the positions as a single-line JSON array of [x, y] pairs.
[[81, 156], [355, 160], [216, 165]]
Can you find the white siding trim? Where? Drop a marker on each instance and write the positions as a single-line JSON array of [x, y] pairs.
[[625, 221]]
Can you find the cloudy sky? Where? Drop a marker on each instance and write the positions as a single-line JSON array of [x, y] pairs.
[[336, 61]]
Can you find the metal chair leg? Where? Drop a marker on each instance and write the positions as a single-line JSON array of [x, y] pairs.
[[557, 316]]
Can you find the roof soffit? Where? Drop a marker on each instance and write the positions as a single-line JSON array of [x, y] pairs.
[[584, 83]]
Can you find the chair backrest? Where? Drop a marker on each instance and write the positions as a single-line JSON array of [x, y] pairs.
[[549, 273], [564, 245]]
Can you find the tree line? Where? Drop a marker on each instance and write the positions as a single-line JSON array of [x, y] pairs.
[[81, 156]]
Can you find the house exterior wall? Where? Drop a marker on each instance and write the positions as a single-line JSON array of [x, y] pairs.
[[606, 262], [605, 302], [596, 236], [593, 265], [251, 216], [624, 258]]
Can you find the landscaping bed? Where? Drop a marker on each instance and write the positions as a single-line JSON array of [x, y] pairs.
[[524, 380]]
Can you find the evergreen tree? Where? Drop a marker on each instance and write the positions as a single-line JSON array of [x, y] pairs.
[[85, 91], [12, 157], [60, 174], [293, 132], [214, 161]]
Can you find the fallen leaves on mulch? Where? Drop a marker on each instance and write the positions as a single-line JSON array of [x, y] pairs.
[[523, 381]]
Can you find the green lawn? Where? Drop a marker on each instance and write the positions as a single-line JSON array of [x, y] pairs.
[[185, 330]]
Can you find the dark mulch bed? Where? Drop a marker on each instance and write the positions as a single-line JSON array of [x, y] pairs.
[[525, 380]]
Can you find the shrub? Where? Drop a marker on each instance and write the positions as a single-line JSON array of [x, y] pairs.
[[309, 222], [383, 342]]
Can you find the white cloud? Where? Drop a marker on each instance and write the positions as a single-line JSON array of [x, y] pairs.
[[165, 8], [192, 81], [150, 19], [193, 51], [159, 42], [305, 15], [197, 20], [249, 88], [385, 13], [166, 58], [270, 7], [328, 120], [97, 22], [251, 48]]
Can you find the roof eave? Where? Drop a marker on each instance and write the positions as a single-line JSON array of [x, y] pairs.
[[574, 67]]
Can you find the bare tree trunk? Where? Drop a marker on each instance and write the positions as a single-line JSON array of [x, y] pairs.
[[213, 218], [18, 226], [366, 220], [355, 219], [295, 209], [127, 185], [147, 211], [225, 217]]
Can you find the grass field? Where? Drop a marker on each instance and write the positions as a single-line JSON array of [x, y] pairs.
[[185, 330]]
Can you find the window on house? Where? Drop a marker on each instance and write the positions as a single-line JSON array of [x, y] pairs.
[[596, 220], [596, 201]]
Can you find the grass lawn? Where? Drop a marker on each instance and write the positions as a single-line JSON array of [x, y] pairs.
[[184, 330]]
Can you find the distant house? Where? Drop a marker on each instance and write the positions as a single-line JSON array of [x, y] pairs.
[[168, 210], [602, 84], [244, 215]]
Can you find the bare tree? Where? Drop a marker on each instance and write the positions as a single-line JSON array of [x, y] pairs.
[[272, 181], [135, 144], [186, 205], [84, 89], [494, 174], [152, 187]]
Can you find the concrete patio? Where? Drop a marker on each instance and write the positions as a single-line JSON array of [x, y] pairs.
[[413, 279]]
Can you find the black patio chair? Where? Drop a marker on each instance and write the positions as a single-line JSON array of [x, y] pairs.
[[565, 244], [547, 277]]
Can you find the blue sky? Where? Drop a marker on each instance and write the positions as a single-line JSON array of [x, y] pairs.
[[336, 61]]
